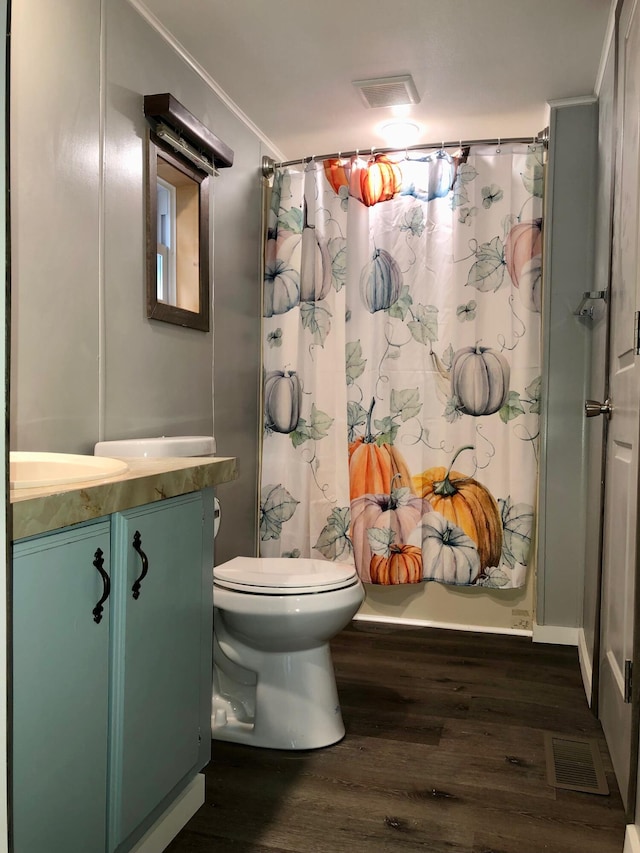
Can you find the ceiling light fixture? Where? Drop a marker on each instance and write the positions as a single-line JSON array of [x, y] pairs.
[[400, 133]]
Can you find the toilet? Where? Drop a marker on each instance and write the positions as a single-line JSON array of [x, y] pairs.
[[273, 617], [273, 620]]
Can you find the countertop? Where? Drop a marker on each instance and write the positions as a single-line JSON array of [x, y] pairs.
[[39, 510]]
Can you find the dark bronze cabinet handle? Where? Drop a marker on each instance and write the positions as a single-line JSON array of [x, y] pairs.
[[99, 563], [135, 589]]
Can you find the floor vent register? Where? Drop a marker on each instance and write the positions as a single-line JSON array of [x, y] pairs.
[[574, 763]]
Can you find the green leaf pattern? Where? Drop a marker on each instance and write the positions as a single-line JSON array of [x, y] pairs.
[[355, 362], [276, 507], [317, 319], [402, 304], [334, 542], [487, 273], [517, 527], [424, 326], [315, 429], [405, 403], [356, 417], [533, 176]]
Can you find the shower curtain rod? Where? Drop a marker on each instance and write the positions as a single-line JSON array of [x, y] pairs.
[[268, 165]]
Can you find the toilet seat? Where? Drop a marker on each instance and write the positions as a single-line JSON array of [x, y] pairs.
[[283, 576]]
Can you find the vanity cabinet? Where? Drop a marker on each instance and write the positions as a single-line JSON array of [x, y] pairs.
[[111, 718], [156, 661], [60, 692]]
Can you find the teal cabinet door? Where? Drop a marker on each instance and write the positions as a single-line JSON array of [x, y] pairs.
[[60, 691], [156, 657]]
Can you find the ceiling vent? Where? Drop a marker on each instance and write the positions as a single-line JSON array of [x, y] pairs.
[[388, 91]]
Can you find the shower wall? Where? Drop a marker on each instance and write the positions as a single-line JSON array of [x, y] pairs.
[[550, 605]]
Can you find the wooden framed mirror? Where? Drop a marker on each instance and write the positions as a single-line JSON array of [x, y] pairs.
[[183, 155], [178, 279]]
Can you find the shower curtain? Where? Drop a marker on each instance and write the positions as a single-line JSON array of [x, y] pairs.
[[401, 354]]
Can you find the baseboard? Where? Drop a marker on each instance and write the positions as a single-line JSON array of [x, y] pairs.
[[169, 824], [430, 623], [586, 665], [557, 635], [632, 839]]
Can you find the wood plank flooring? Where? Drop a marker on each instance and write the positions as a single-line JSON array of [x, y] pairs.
[[444, 753]]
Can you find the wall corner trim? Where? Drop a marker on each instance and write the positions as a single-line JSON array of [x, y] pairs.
[[558, 635], [609, 38], [632, 839], [586, 665], [204, 75]]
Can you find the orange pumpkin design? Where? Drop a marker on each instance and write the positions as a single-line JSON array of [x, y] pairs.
[[466, 503], [378, 180], [375, 469], [523, 243], [403, 565], [523, 258], [398, 512], [337, 172]]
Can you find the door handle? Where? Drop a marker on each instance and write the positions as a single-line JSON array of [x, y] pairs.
[[592, 408]]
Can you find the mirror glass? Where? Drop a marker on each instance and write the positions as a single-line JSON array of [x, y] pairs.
[[177, 239]]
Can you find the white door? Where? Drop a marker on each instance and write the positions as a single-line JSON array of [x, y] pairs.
[[621, 484]]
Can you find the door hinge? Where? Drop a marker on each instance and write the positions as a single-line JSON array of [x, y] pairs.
[[636, 333], [628, 680]]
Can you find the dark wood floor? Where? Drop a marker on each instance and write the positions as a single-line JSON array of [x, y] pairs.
[[444, 753]]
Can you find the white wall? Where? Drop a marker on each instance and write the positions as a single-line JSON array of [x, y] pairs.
[[86, 363], [55, 166], [569, 229]]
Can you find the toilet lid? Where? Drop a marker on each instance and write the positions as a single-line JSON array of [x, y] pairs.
[[282, 576]]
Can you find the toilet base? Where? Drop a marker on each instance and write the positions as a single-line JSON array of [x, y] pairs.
[[296, 704]]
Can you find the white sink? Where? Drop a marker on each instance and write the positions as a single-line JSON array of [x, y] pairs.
[[30, 469]]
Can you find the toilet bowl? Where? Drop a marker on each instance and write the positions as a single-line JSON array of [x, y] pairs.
[[273, 618], [274, 684]]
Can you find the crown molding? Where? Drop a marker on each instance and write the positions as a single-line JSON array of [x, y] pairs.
[[203, 74], [607, 44], [573, 102]]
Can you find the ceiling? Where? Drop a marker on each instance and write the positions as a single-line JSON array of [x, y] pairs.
[[482, 68]]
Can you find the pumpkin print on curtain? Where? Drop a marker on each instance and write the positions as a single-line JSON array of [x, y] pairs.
[[401, 345]]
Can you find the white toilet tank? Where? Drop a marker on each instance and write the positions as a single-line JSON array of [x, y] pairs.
[[161, 446]]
